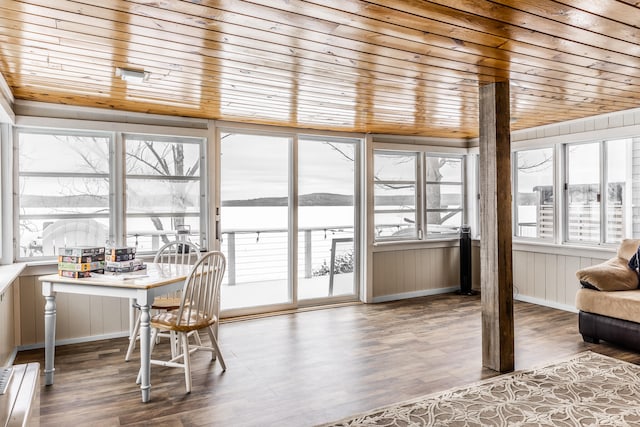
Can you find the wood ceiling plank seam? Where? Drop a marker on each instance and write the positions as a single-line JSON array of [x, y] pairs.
[[456, 43], [312, 111], [520, 110], [585, 99], [625, 89], [550, 10], [451, 46], [442, 10], [315, 95], [528, 88], [623, 13], [609, 77]]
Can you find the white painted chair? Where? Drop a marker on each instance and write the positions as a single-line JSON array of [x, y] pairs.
[[176, 252], [199, 309]]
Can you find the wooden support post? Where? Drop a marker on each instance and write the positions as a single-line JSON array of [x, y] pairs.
[[495, 227]]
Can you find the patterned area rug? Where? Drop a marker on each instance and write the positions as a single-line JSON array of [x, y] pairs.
[[587, 390]]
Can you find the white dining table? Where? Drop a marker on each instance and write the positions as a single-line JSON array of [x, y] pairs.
[[159, 279]]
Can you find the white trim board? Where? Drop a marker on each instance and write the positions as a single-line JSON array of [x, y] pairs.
[[76, 340], [545, 303]]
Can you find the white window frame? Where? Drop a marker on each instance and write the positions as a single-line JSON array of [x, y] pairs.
[[17, 174], [603, 183], [203, 216], [117, 182], [422, 151], [463, 202], [417, 199], [514, 180]]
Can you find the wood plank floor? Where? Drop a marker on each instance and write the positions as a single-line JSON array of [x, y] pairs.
[[305, 368]]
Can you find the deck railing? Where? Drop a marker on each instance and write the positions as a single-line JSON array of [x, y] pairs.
[[254, 255]]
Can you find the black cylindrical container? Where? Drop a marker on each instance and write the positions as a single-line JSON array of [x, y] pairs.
[[465, 260]]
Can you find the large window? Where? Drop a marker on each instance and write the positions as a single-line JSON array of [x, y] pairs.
[[67, 194], [395, 195], [444, 194], [417, 194], [163, 188], [535, 199], [595, 191], [63, 190]]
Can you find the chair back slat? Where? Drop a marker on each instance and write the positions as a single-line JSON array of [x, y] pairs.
[[178, 252], [200, 294]]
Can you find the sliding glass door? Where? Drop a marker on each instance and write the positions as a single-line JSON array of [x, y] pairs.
[[254, 190], [326, 217], [288, 220]]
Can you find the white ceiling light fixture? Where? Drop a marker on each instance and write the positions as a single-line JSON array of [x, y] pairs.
[[132, 76]]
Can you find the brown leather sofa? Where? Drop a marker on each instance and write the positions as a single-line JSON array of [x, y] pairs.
[[609, 300]]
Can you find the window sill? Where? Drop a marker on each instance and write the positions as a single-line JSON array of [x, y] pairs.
[[415, 244], [600, 251], [9, 273]]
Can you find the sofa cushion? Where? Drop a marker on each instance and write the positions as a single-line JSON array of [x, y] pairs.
[[621, 305], [611, 275], [627, 248]]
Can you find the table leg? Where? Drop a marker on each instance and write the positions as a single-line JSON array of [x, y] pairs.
[[49, 332], [145, 355]]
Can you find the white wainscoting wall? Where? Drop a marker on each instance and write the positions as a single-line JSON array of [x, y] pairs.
[[78, 317], [408, 273], [7, 324], [548, 278]]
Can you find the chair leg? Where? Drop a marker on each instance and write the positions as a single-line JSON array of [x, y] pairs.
[[133, 338], [174, 343], [214, 344], [187, 360]]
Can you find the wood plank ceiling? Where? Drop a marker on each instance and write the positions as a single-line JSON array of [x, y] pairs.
[[405, 67]]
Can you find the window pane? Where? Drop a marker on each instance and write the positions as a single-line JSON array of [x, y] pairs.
[[64, 195], [167, 196], [63, 191], [395, 195], [255, 219], [618, 153], [443, 223], [148, 156], [394, 166], [534, 193], [583, 216], [444, 194], [444, 169], [163, 190], [326, 217], [395, 226], [63, 153]]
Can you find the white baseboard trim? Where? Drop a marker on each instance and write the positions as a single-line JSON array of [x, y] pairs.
[[407, 295], [545, 303], [78, 340]]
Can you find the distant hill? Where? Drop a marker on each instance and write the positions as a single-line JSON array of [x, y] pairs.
[[313, 199], [78, 201], [332, 199]]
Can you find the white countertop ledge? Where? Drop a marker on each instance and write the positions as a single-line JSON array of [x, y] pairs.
[[9, 273]]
